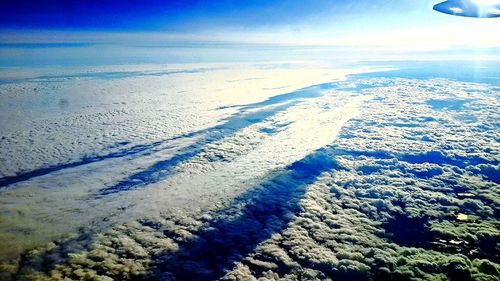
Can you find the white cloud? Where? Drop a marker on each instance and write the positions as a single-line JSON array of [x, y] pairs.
[[344, 223]]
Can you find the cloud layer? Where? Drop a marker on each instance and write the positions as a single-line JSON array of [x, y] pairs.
[[408, 190]]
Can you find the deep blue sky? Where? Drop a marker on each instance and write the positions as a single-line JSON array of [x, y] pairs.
[[185, 15]]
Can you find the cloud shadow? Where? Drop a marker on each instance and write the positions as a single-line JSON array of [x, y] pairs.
[[251, 219]]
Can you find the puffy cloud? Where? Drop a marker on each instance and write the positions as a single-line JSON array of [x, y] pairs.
[[379, 203]]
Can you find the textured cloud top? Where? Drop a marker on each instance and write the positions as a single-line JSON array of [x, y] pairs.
[[74, 144], [374, 177]]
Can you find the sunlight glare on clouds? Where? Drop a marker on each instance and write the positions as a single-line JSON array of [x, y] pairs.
[[478, 34]]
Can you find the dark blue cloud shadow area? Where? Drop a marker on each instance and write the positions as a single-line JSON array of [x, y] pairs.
[[433, 157], [134, 150], [270, 107], [251, 219], [163, 169]]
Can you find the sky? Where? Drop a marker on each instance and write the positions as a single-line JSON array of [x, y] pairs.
[[392, 25], [190, 15]]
